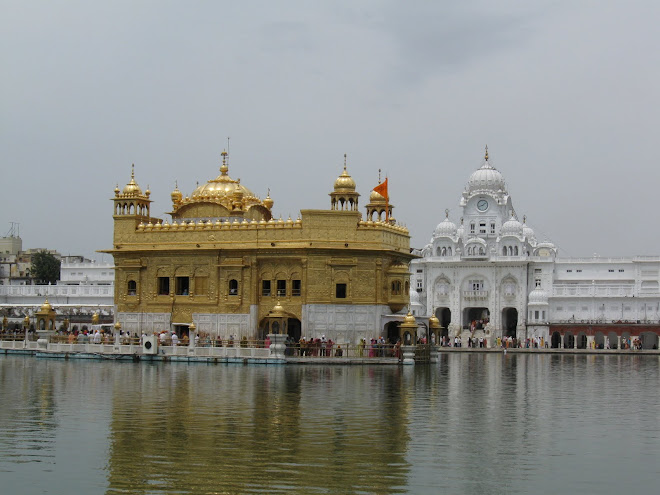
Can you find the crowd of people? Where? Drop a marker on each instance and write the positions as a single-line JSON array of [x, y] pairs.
[[305, 347]]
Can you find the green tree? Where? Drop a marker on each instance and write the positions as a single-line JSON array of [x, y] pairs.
[[45, 268]]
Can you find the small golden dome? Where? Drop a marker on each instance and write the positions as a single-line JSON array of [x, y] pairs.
[[434, 322], [176, 194], [147, 193], [409, 319], [117, 191], [132, 188], [376, 197], [344, 181], [45, 307], [277, 311], [268, 202]]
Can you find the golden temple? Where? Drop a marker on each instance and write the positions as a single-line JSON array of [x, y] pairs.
[[223, 262]]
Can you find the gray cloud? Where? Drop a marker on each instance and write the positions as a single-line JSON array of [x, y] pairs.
[[564, 93]]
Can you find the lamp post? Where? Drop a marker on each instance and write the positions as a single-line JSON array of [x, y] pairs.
[[192, 333], [117, 332]]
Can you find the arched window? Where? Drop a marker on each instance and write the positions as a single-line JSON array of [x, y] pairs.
[[482, 250], [396, 288], [439, 252], [469, 250], [448, 251], [132, 287], [504, 251], [444, 252], [510, 251], [515, 251], [233, 287]]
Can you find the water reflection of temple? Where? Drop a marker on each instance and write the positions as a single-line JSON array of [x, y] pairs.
[[225, 429]]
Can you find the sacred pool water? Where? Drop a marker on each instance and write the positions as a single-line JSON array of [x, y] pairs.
[[472, 423]]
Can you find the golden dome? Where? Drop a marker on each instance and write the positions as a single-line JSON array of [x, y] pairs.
[[277, 311], [410, 319], [132, 188], [268, 202], [376, 197], [46, 307], [344, 181], [176, 194], [434, 322], [222, 187]]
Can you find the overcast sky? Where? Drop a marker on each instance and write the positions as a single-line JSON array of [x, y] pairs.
[[566, 94]]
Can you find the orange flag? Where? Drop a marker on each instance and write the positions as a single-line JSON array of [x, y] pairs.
[[382, 189]]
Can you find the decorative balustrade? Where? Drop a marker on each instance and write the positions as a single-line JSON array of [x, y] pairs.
[[56, 290], [475, 295], [591, 290]]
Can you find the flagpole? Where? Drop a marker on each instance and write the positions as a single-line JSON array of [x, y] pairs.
[[387, 203]]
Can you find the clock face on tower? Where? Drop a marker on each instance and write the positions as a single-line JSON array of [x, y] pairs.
[[482, 205]]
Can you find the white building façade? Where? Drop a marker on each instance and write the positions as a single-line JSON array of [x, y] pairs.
[[490, 277]]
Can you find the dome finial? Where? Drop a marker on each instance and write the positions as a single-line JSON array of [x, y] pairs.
[[344, 162], [524, 218], [133, 171], [379, 176], [224, 168], [447, 213], [486, 153]]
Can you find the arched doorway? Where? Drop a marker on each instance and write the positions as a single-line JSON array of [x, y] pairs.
[[509, 322], [480, 317], [569, 340], [444, 316], [294, 329], [649, 340], [392, 331], [599, 340], [555, 342], [582, 340], [613, 340]]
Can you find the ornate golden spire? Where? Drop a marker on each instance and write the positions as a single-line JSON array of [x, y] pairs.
[[486, 153], [132, 187], [224, 168], [176, 195]]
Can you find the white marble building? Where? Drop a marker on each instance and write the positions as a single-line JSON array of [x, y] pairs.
[[85, 287], [490, 276]]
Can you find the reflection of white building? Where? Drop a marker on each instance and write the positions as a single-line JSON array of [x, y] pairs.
[[489, 275], [85, 287]]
